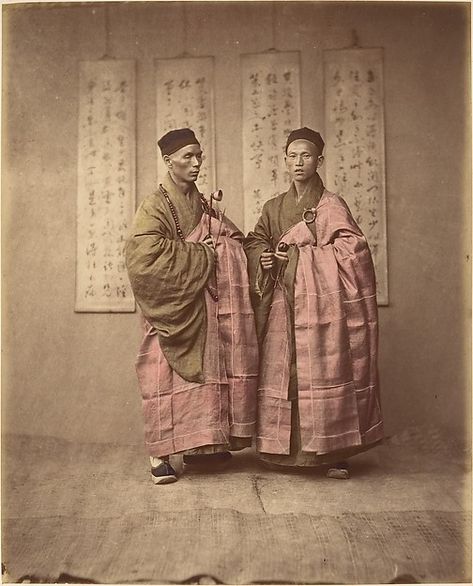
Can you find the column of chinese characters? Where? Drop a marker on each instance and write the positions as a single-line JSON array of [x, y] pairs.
[[270, 112], [355, 149], [184, 99], [106, 186]]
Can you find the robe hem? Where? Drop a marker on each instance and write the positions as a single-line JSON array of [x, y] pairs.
[[271, 446], [168, 447], [375, 434], [314, 460], [325, 445], [242, 429]]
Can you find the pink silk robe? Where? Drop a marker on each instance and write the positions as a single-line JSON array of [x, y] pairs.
[[180, 415], [336, 338]]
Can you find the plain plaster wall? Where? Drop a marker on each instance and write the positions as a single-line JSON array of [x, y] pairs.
[[72, 375]]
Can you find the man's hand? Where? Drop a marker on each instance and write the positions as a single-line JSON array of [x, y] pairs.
[[267, 260], [209, 241], [282, 256]]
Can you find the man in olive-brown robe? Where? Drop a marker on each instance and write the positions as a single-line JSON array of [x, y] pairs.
[[197, 365], [314, 296]]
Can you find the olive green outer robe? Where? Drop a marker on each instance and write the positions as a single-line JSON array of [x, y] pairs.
[[168, 277]]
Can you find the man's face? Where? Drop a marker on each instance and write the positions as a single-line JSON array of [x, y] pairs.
[[185, 163], [302, 159]]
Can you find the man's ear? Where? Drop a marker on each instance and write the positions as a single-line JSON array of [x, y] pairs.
[[167, 161], [320, 161]]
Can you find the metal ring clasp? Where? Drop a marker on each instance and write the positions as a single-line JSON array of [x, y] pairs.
[[309, 215]]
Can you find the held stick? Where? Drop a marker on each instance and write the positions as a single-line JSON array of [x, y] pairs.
[[217, 196], [220, 226], [282, 247]]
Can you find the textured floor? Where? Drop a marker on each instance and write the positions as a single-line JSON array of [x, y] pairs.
[[90, 512]]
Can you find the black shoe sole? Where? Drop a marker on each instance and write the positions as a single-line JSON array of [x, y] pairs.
[[169, 479]]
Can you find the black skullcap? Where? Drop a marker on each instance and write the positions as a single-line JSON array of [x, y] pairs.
[[174, 140], [306, 134]]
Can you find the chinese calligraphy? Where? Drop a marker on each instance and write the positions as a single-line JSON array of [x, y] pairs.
[[106, 184], [354, 125], [271, 109], [184, 98]]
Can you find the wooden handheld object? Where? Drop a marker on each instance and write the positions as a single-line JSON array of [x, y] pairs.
[[282, 247], [215, 196]]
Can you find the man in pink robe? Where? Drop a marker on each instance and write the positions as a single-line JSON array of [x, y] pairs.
[[314, 295], [197, 365]]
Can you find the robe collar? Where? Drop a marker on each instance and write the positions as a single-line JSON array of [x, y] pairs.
[[311, 195], [173, 189], [188, 207]]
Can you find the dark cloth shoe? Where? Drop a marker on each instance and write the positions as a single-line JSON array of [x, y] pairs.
[[217, 459], [339, 471], [163, 474]]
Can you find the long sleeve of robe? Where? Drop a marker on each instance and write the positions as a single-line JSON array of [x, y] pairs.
[[168, 278]]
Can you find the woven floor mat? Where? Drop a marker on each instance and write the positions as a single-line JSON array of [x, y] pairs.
[[241, 548]]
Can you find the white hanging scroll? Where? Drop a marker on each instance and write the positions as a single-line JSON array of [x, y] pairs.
[[106, 185], [271, 109], [185, 99], [354, 133]]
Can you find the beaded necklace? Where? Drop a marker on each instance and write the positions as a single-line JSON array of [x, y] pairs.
[[173, 212], [180, 233]]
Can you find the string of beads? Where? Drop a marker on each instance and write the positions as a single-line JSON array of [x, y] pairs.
[[173, 212], [206, 208], [180, 233]]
